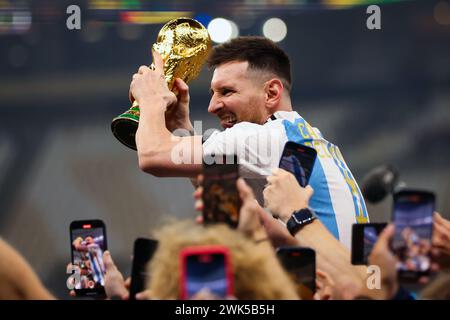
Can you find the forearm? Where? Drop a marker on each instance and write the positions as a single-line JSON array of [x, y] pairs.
[[161, 153], [180, 127], [18, 279], [152, 136], [331, 256]]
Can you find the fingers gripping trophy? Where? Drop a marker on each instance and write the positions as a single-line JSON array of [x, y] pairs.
[[184, 45]]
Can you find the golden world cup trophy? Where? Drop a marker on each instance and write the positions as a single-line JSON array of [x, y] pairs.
[[184, 45]]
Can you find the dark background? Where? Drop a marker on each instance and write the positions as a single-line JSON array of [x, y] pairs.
[[382, 95]]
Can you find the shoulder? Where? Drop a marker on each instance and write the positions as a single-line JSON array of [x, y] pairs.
[[245, 130]]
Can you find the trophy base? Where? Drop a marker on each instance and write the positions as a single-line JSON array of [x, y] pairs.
[[124, 128]]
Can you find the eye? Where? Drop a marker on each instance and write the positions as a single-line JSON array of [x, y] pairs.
[[226, 92]]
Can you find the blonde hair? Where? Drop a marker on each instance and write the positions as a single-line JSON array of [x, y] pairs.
[[257, 272]]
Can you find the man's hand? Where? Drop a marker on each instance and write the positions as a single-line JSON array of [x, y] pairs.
[[251, 213], [177, 114], [149, 85], [324, 286], [114, 281], [441, 241], [253, 220], [329, 289], [283, 195], [383, 257]]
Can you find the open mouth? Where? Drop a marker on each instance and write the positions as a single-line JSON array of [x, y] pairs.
[[228, 122]]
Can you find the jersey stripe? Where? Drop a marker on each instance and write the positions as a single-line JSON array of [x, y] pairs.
[[321, 201]]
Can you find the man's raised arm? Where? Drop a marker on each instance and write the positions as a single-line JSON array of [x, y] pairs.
[[160, 152]]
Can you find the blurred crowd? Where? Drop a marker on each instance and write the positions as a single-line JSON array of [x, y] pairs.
[[256, 270]]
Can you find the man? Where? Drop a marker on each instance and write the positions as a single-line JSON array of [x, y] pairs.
[[250, 94]]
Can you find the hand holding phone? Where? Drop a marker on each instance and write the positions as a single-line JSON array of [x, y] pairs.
[[413, 219], [364, 236], [143, 251], [298, 160], [88, 243], [300, 263], [206, 268]]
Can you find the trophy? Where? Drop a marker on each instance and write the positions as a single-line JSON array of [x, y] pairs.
[[184, 45]]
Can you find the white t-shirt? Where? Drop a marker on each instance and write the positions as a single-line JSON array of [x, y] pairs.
[[337, 200]]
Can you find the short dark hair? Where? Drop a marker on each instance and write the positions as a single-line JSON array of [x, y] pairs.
[[260, 53]]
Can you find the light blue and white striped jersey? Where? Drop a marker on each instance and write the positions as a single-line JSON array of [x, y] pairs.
[[337, 200]]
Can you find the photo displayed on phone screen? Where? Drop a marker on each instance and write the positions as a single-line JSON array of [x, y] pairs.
[[88, 242], [364, 237], [370, 237], [206, 269], [300, 263], [220, 196], [298, 160], [413, 219]]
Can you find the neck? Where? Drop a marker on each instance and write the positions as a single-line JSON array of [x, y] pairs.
[[285, 105]]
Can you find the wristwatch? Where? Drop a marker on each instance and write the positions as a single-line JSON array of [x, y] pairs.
[[299, 219]]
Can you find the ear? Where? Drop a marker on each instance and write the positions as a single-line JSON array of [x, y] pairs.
[[273, 91]]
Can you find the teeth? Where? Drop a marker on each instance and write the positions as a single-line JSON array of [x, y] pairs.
[[230, 119]]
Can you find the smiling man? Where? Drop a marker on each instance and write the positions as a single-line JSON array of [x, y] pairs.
[[250, 94]]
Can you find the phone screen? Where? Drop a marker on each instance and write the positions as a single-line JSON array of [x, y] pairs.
[[144, 249], [88, 242], [413, 219], [300, 263], [206, 271], [298, 160], [220, 195], [206, 268], [364, 236]]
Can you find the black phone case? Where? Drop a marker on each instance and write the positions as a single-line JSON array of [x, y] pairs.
[[358, 240], [143, 252], [305, 157]]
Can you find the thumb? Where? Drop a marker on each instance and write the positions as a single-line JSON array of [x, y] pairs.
[[309, 191], [245, 192], [108, 261], [158, 61], [438, 218], [384, 238], [183, 90]]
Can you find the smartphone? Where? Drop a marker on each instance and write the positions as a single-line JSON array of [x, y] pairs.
[[220, 196], [87, 243], [206, 267], [364, 236], [300, 263], [413, 219], [298, 160], [143, 251]]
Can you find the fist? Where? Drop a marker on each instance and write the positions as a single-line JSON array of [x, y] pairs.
[[149, 85]]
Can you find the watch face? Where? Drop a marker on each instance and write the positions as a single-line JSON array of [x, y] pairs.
[[292, 226], [300, 218], [303, 215]]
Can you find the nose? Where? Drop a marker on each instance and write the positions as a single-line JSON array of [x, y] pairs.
[[214, 105]]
